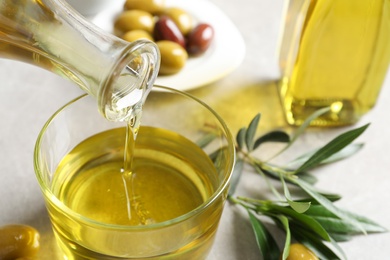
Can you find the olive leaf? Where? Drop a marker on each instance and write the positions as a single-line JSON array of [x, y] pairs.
[[346, 152], [205, 140], [337, 237], [334, 224], [304, 220], [266, 243], [240, 138], [251, 131], [285, 224], [308, 121], [236, 175], [298, 206], [307, 177], [274, 136], [331, 148], [329, 205], [302, 128]]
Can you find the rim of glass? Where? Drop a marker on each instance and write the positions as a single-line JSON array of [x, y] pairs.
[[221, 188]]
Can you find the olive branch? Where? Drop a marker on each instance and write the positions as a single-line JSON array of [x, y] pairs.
[[314, 220]]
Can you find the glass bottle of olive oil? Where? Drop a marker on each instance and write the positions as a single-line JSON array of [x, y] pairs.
[[50, 35], [333, 54]]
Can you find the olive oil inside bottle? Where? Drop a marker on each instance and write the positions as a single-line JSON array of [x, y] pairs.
[[46, 34], [341, 62]]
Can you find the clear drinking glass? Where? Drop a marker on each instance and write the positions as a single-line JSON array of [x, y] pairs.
[[174, 134]]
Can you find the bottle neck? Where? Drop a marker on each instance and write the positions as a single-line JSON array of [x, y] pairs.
[[129, 82], [51, 35]]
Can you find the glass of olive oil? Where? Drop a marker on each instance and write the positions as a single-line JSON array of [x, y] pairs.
[[150, 192], [334, 54]]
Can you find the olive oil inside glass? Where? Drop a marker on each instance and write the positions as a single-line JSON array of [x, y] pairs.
[[170, 177]]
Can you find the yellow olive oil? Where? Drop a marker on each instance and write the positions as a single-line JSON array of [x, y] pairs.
[[23, 29], [341, 61], [170, 176], [132, 198]]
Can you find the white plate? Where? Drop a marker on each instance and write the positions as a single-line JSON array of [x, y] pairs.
[[223, 56]]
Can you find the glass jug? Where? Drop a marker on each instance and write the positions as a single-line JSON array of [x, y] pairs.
[[51, 35], [334, 53]]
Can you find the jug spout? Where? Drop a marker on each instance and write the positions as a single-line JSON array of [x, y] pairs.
[[51, 35]]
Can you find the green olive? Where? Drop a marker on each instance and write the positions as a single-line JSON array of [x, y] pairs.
[[300, 252], [134, 20], [173, 57], [182, 19], [134, 35], [18, 241], [150, 6]]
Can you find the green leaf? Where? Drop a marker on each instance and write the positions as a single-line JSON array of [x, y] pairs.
[[251, 131], [236, 175], [240, 138], [274, 136], [274, 171], [308, 177], [216, 155], [368, 225], [266, 243], [286, 249], [329, 196], [205, 140], [307, 122], [268, 172], [329, 205], [339, 249], [332, 147], [259, 170], [299, 207], [306, 221], [302, 128], [346, 152], [340, 237], [337, 225], [334, 224], [276, 176]]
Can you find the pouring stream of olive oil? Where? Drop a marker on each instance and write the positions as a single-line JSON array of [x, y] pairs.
[[109, 177]]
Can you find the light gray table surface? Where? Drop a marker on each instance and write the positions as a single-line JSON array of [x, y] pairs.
[[29, 95]]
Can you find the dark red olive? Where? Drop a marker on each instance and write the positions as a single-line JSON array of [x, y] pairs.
[[199, 39], [166, 29]]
